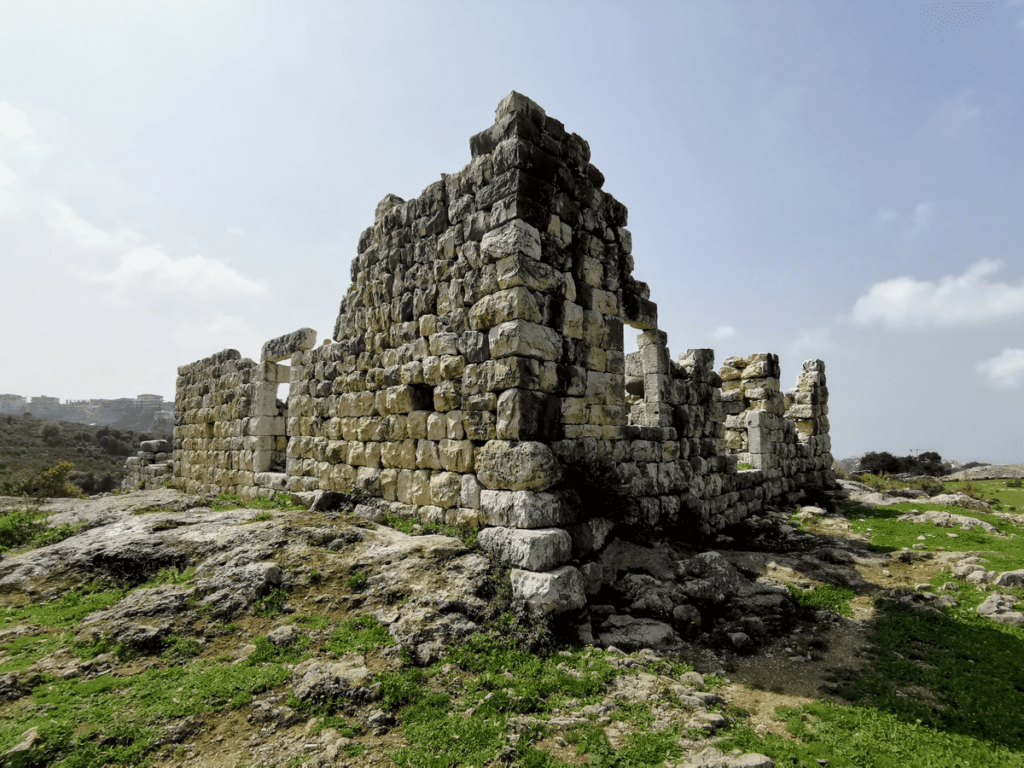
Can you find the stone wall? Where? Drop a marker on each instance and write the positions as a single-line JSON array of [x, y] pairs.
[[229, 427], [151, 468], [478, 367]]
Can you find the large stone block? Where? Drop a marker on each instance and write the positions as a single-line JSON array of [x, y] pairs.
[[525, 414], [523, 270], [525, 339], [522, 466], [284, 347], [523, 509], [534, 550], [515, 237], [557, 591], [509, 304]]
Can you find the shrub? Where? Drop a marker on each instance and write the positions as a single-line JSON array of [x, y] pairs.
[[884, 463], [48, 484]]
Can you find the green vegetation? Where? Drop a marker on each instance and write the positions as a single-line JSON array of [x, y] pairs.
[[1008, 493], [29, 529], [1003, 553], [358, 633], [170, 576], [943, 687], [68, 609], [118, 721], [824, 597], [260, 517], [413, 527], [272, 604], [356, 581], [226, 501], [29, 446], [49, 483]]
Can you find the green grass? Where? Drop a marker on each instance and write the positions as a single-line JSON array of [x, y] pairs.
[[170, 575], [356, 581], [117, 721], [415, 528], [272, 604], [1009, 493], [278, 502], [25, 529], [824, 597], [939, 689], [358, 633], [463, 719], [69, 609], [260, 517], [890, 534]]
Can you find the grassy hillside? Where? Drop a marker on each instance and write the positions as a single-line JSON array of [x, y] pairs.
[[29, 446]]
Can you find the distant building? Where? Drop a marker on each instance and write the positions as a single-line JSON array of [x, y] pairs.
[[12, 404], [143, 413]]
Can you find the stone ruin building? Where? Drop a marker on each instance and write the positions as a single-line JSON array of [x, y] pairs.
[[477, 372]]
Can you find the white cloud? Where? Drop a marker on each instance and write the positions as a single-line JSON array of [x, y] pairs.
[[204, 336], [956, 300], [68, 222], [149, 268], [724, 332], [14, 125], [812, 341], [1005, 370], [235, 231]]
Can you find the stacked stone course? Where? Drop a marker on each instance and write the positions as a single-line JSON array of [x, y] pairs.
[[479, 352], [148, 469]]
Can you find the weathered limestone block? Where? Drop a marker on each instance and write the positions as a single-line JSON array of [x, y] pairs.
[[456, 455], [426, 455], [523, 270], [558, 591], [528, 465], [525, 339], [419, 491], [479, 425], [400, 454], [446, 489], [284, 347], [523, 509], [500, 307], [515, 237], [469, 495], [533, 550], [525, 414]]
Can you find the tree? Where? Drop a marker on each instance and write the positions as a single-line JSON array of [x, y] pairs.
[[51, 433]]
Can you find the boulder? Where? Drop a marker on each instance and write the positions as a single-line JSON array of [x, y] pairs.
[[1000, 608], [632, 634], [318, 681], [557, 591]]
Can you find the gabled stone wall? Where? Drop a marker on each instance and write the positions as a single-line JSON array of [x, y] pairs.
[[478, 355]]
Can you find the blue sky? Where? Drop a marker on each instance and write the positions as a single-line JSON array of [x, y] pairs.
[[842, 180]]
